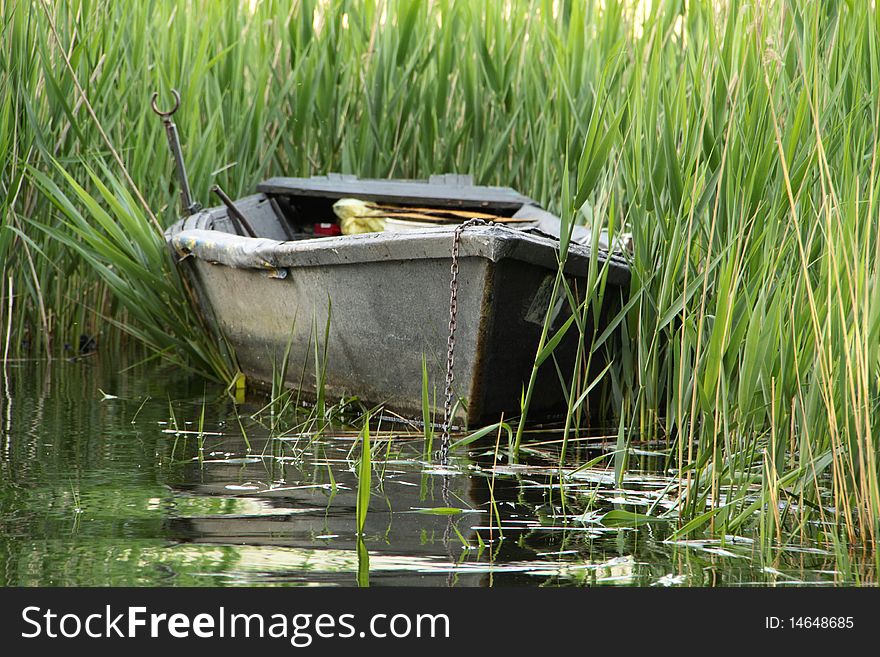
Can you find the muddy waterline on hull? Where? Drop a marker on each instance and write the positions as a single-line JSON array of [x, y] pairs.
[[145, 478]]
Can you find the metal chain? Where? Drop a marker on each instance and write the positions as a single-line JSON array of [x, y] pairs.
[[450, 342]]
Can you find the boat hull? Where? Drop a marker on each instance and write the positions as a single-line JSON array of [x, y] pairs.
[[382, 301]]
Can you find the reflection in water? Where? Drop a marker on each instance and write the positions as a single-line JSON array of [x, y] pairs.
[[162, 485]]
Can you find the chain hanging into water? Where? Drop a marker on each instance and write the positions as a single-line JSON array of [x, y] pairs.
[[450, 343]]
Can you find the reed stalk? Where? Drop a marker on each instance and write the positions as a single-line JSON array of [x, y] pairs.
[[736, 142]]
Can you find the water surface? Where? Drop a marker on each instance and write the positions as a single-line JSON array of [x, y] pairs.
[[148, 477]]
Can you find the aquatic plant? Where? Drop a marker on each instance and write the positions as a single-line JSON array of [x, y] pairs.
[[364, 491], [364, 477], [736, 142], [114, 238]]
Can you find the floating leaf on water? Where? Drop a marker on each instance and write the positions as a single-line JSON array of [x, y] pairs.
[[804, 549], [646, 452], [441, 511], [592, 476], [238, 461], [589, 517], [278, 489], [669, 580], [773, 571], [721, 552], [183, 432], [694, 542], [441, 471], [627, 500], [732, 538], [621, 518]]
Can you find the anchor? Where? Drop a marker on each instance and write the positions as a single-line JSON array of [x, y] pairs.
[[190, 206]]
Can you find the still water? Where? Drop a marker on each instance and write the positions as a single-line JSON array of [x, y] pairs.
[[147, 477]]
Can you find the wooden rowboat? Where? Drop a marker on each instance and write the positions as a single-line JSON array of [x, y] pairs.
[[385, 296]]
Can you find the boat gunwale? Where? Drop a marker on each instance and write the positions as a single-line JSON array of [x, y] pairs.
[[491, 242]]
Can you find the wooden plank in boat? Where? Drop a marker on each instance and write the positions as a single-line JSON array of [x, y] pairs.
[[450, 191]]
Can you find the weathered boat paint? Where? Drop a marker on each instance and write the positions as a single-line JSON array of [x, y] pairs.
[[386, 297]]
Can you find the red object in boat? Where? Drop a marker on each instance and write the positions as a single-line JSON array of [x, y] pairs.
[[326, 230]]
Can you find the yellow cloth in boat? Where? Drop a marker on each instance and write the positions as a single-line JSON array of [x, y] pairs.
[[357, 216]]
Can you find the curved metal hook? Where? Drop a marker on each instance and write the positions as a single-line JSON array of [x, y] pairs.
[[169, 112]]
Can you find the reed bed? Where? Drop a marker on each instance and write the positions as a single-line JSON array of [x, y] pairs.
[[736, 141]]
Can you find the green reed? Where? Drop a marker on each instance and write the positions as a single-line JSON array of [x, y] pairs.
[[736, 141]]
